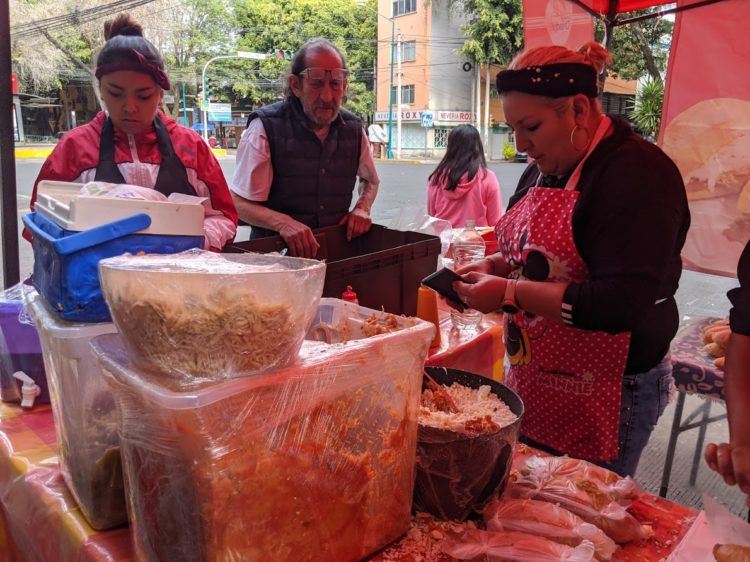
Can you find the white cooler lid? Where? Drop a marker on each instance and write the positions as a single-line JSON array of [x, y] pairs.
[[62, 203]]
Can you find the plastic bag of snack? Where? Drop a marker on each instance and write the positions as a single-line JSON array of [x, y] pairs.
[[731, 553], [509, 547], [536, 479], [547, 520], [600, 483]]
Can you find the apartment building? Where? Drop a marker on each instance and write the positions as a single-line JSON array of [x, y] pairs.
[[436, 82], [438, 86]]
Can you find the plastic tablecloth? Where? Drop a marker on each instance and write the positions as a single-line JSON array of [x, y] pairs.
[[481, 352], [39, 520], [693, 369]]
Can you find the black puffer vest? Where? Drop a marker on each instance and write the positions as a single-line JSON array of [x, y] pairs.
[[312, 180]]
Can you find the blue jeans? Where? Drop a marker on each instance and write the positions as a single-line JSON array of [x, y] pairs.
[[644, 397]]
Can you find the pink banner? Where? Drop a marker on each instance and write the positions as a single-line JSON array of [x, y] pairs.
[[555, 22], [705, 128]]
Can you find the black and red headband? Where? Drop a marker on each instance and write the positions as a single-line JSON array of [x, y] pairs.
[[550, 80], [138, 64]]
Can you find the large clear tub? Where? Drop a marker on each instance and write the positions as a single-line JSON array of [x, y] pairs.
[[314, 461], [85, 415]]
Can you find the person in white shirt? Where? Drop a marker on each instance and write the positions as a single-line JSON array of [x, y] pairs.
[[298, 160]]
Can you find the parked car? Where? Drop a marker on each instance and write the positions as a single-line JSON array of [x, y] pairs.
[[521, 157]]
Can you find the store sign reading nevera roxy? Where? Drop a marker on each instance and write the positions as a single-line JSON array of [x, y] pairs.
[[417, 114]]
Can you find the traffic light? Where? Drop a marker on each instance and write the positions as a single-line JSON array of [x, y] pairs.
[[286, 54], [208, 90]]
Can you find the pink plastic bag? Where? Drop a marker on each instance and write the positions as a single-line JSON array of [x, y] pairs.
[[509, 547], [547, 520], [544, 478]]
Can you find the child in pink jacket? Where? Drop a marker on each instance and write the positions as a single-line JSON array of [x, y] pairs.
[[462, 187]]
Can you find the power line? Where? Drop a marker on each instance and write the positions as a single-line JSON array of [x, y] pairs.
[[74, 18]]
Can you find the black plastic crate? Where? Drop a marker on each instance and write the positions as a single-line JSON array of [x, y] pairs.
[[384, 266]]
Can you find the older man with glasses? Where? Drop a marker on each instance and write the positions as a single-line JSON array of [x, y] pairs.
[[299, 159]]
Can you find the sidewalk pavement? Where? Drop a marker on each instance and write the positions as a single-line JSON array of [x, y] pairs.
[[41, 151], [25, 151]]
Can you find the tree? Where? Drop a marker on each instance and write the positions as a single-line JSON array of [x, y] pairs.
[[495, 30], [268, 25], [639, 48], [645, 111], [199, 30]]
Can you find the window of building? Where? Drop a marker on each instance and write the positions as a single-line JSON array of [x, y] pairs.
[[617, 104], [407, 94], [408, 51], [401, 7], [441, 137]]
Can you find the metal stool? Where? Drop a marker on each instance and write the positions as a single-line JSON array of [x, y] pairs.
[[694, 373], [679, 426]]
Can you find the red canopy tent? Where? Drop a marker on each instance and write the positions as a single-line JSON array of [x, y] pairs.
[[705, 125]]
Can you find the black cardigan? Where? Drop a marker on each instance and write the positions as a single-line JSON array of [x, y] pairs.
[[629, 226], [739, 315]]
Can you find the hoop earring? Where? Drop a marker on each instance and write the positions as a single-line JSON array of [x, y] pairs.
[[588, 138]]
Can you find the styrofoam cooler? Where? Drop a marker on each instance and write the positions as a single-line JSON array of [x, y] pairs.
[[20, 350], [85, 415], [314, 461]]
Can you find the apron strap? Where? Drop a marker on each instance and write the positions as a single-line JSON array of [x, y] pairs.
[[107, 170], [172, 177], [601, 132]]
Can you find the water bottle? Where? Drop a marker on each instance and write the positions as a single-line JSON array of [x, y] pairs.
[[468, 248]]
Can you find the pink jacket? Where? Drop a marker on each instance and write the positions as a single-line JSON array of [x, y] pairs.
[[478, 200]]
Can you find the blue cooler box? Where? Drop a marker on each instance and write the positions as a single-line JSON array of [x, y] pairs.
[[19, 351], [65, 262]]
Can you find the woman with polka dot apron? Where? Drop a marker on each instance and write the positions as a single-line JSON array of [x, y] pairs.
[[588, 263]]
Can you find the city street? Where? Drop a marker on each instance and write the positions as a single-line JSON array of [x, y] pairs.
[[403, 186]]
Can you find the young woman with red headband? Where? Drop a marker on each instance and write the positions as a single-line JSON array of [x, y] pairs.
[[133, 142]]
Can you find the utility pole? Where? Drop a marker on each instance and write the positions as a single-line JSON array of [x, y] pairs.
[[398, 98], [392, 19], [184, 105], [479, 96], [390, 88], [487, 108]]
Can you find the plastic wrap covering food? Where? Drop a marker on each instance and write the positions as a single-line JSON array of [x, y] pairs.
[[197, 316], [20, 351], [547, 520], [85, 415], [459, 471], [512, 547], [310, 462], [44, 524], [581, 488]]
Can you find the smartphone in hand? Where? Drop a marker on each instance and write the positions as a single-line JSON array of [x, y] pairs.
[[442, 282]]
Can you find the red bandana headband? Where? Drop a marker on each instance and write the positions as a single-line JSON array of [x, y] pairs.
[[138, 65]]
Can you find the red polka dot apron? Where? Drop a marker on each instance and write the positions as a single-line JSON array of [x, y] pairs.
[[570, 379]]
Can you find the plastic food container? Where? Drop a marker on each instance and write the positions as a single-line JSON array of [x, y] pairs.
[[85, 416], [65, 262], [20, 350], [383, 266], [311, 462], [198, 316], [456, 473], [63, 204]]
